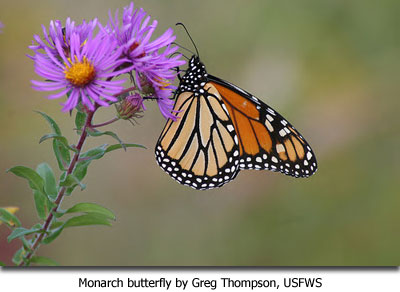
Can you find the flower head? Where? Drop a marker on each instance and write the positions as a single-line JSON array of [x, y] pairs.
[[81, 64], [151, 60], [82, 71], [62, 33], [1, 27]]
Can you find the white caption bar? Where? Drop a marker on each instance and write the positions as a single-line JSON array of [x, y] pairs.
[[120, 279]]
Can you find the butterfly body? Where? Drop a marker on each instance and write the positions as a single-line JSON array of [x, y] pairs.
[[221, 129]]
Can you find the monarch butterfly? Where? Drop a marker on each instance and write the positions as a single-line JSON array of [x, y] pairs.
[[221, 129]]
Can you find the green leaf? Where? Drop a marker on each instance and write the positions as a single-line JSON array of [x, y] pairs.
[[108, 133], [81, 167], [72, 181], [17, 258], [61, 139], [94, 153], [56, 224], [63, 175], [82, 220], [53, 124], [37, 225], [2, 264], [35, 180], [58, 214], [69, 182], [119, 146], [87, 219], [80, 120], [41, 204], [26, 243], [62, 154], [55, 230], [8, 218], [101, 217], [91, 208], [52, 136], [50, 185], [21, 231], [53, 234], [44, 261]]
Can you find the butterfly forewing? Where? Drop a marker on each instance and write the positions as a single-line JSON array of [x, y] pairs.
[[267, 140]]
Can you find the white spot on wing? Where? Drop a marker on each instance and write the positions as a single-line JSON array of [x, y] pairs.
[[280, 148], [271, 111], [269, 126]]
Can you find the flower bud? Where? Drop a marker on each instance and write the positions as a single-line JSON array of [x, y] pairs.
[[130, 107]]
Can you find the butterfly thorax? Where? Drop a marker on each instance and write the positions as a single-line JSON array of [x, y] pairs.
[[195, 77]]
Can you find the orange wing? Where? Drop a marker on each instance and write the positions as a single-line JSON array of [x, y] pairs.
[[266, 139]]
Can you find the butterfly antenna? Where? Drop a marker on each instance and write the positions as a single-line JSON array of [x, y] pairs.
[[180, 23], [182, 47], [177, 53]]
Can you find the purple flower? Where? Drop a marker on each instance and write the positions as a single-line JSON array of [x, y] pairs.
[[57, 31], [1, 27], [83, 72], [151, 67]]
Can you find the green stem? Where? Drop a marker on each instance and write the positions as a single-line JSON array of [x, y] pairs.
[[60, 195]]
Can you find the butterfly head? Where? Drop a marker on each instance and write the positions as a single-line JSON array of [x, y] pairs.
[[195, 76]]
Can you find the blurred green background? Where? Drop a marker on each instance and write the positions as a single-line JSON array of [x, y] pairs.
[[330, 67]]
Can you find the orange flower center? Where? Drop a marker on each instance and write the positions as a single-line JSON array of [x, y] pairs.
[[80, 73]]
